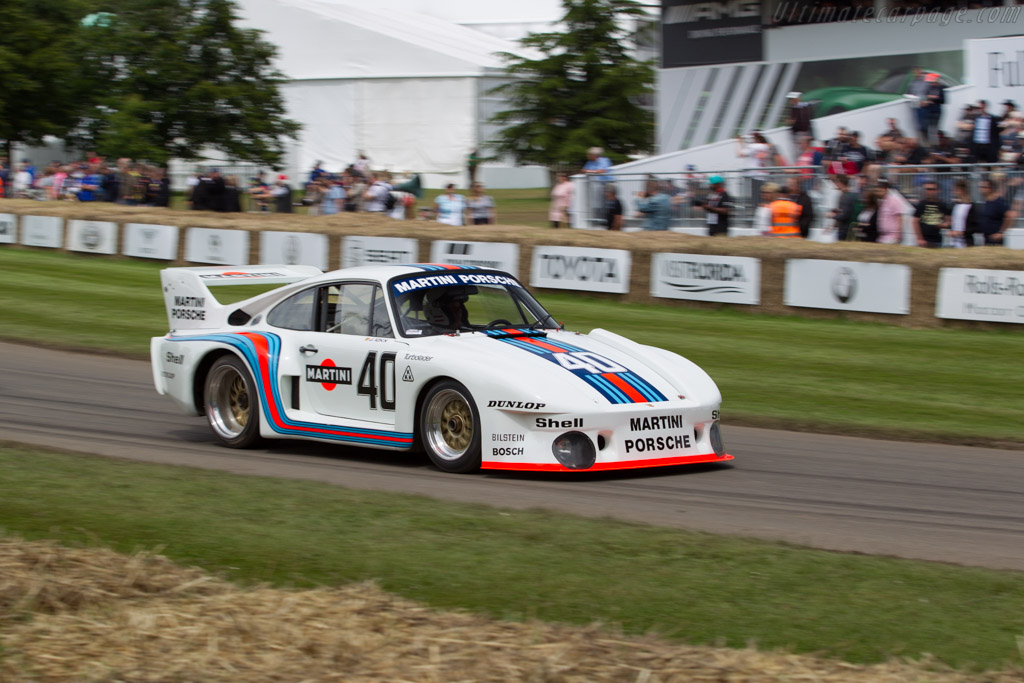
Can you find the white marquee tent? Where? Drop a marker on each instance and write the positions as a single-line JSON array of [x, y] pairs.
[[407, 89]]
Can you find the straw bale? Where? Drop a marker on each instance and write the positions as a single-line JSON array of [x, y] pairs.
[[109, 617]]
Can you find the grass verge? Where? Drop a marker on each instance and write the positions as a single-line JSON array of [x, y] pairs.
[[824, 375], [511, 564]]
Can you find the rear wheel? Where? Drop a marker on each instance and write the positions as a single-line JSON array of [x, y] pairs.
[[450, 427], [232, 403]]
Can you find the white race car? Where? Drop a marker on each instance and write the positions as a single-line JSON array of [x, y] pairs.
[[460, 361]]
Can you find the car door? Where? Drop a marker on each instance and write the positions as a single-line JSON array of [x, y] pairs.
[[349, 361]]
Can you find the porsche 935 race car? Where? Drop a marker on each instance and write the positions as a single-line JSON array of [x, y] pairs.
[[462, 362]]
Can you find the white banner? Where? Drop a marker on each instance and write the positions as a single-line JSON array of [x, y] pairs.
[[581, 268], [294, 248], [214, 245], [8, 228], [96, 237], [149, 240], [995, 66], [974, 294], [498, 255], [848, 286], [368, 251], [42, 231], [703, 277]]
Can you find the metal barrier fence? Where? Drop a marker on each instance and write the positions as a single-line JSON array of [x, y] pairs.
[[687, 190]]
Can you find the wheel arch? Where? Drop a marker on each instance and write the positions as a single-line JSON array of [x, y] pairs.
[[421, 395], [203, 370]]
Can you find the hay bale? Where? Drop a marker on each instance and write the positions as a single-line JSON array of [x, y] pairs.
[[143, 619]]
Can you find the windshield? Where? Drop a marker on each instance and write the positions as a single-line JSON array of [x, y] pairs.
[[428, 305]]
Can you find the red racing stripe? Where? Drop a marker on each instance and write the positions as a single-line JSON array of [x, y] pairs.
[[544, 345], [625, 386]]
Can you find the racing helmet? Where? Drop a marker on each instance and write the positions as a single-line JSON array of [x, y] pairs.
[[445, 306]]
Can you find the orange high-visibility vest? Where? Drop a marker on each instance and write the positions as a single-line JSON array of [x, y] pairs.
[[785, 218]]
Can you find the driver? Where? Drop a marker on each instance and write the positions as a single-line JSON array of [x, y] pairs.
[[446, 307]]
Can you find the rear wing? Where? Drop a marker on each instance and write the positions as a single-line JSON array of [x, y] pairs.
[[190, 304]]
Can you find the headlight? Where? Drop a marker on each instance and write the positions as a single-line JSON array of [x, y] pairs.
[[574, 450], [716, 440]]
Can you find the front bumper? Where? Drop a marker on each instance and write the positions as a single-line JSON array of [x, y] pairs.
[[630, 437]]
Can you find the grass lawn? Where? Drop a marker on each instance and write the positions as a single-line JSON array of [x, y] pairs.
[[942, 385], [513, 564], [514, 207]]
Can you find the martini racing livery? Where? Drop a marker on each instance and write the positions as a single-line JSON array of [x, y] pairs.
[[459, 361]]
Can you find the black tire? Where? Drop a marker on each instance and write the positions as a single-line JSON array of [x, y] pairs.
[[232, 403], [450, 427]]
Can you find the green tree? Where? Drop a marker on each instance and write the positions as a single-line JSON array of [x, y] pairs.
[[41, 93], [172, 77], [584, 89]]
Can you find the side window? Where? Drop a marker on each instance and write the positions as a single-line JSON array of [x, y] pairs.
[[348, 308], [296, 312], [381, 326]]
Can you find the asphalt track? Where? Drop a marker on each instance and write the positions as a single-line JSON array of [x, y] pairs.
[[926, 501]]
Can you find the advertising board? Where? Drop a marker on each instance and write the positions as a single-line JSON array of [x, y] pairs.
[[42, 231], [499, 255], [294, 248], [974, 294], [149, 240], [369, 251], [706, 277], [214, 245], [95, 237], [581, 268], [8, 228], [847, 286]]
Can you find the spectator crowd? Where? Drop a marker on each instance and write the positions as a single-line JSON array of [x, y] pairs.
[[87, 180]]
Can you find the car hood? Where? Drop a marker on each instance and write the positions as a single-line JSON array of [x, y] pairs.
[[567, 370]]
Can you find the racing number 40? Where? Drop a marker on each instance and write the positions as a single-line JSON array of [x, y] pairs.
[[378, 381]]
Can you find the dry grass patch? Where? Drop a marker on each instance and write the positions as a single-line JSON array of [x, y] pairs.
[[92, 614]]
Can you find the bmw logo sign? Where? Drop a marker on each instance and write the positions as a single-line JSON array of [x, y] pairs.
[[844, 284]]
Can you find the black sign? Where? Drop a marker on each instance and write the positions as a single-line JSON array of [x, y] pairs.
[[695, 32]]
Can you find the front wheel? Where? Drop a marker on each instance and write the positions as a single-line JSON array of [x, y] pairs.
[[232, 403], [450, 427]]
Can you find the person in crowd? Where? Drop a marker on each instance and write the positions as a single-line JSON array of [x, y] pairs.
[[480, 207], [450, 206], [91, 188], [472, 161], [858, 153], [281, 194], [796, 192], [655, 206], [22, 183], [867, 217], [845, 213], [763, 212], [561, 200], [717, 206], [890, 141], [612, 207], [799, 119], [259, 191], [932, 99], [596, 168], [890, 215], [985, 135], [756, 151], [963, 218], [931, 217], [994, 216], [917, 89], [159, 193], [317, 173], [230, 201], [355, 187], [375, 196], [362, 166], [5, 177], [785, 214], [331, 197]]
